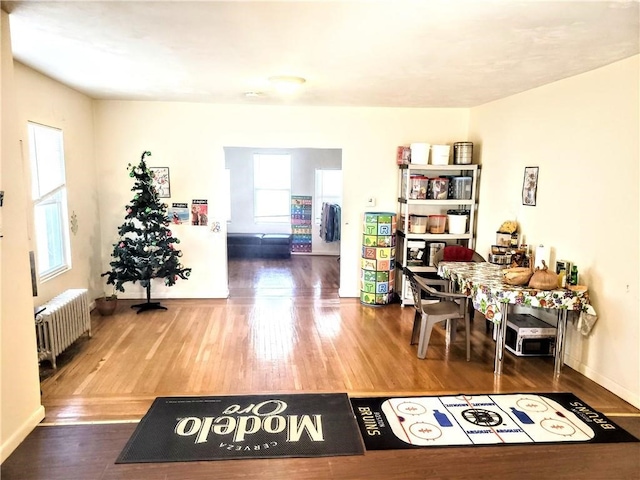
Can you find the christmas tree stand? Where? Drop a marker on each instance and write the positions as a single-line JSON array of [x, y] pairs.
[[149, 305]]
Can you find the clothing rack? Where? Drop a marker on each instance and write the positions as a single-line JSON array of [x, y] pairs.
[[330, 222]]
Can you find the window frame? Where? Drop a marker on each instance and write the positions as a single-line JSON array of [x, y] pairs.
[[319, 194], [283, 216], [52, 239]]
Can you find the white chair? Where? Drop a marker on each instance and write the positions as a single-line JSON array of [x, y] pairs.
[[449, 307], [471, 256]]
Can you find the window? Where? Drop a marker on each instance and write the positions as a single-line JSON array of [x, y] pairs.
[[272, 188], [328, 190], [49, 193]]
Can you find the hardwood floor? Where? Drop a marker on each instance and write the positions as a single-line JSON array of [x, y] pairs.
[[292, 334], [306, 276]]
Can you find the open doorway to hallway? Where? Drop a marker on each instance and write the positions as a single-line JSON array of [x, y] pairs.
[[267, 187]]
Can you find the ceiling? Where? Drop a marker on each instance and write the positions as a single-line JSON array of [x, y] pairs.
[[456, 53]]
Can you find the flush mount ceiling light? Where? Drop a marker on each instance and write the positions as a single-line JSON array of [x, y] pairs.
[[286, 84]]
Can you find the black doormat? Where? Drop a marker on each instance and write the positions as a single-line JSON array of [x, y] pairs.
[[466, 420], [180, 429]]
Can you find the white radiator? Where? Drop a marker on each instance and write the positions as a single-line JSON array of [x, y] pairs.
[[60, 322]]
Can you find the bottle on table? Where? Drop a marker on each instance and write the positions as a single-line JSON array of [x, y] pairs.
[[574, 275], [526, 262], [562, 278]]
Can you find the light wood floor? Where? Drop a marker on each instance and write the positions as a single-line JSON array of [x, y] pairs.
[[293, 334]]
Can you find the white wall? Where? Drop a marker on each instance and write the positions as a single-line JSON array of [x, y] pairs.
[[43, 100], [20, 408], [189, 138], [583, 133]]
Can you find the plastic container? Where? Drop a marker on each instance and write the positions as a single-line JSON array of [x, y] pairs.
[[432, 249], [406, 189], [461, 188], [418, 185], [418, 223], [440, 154], [403, 155], [420, 153], [402, 219], [503, 239], [500, 258], [438, 188], [437, 223], [462, 153], [457, 221]]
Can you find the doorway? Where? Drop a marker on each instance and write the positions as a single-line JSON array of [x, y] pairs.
[[273, 177]]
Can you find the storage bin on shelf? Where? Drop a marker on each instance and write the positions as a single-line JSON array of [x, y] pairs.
[[440, 154], [437, 223], [461, 188], [418, 185], [401, 225], [403, 155], [462, 153], [457, 221], [438, 188], [418, 223], [420, 153]]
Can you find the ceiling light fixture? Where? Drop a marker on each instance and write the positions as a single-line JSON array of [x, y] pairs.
[[286, 84]]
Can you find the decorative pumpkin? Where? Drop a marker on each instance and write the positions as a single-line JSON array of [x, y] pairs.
[[543, 279], [517, 275]]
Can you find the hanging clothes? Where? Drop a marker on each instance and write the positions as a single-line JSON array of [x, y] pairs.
[[330, 222]]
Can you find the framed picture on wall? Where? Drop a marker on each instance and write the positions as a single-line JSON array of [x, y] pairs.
[[161, 181], [530, 186]]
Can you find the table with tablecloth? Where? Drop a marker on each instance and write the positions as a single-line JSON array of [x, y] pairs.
[[483, 283]]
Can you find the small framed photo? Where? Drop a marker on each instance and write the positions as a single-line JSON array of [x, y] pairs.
[[530, 186], [161, 181]]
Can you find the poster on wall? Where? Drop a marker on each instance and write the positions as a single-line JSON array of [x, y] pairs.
[[199, 212], [530, 186], [178, 213], [161, 181]]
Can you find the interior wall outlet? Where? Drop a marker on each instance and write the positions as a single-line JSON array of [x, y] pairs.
[[371, 202]]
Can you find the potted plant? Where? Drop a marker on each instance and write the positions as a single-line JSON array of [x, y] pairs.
[[107, 305]]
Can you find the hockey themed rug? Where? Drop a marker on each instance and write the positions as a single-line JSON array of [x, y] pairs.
[[179, 429], [465, 420]]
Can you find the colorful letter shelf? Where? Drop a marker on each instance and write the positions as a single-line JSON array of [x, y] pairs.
[[378, 258]]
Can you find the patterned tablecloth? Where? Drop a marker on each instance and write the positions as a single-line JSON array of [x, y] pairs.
[[482, 282]]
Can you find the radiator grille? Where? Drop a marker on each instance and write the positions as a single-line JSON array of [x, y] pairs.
[[65, 318]]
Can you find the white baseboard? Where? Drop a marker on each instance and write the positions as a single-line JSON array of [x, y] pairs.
[[603, 381], [11, 443], [223, 293], [346, 293]]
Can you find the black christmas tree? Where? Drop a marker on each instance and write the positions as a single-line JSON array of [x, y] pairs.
[[146, 247]]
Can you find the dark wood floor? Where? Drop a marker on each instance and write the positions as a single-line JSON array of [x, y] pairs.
[[86, 452], [293, 334]]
